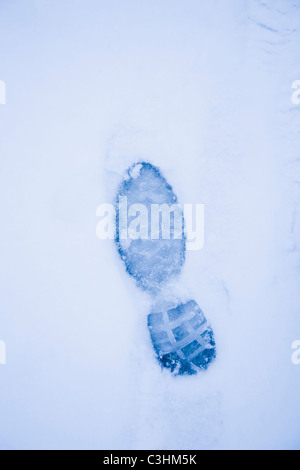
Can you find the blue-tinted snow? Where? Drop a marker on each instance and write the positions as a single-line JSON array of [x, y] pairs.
[[152, 262], [202, 89], [182, 338]]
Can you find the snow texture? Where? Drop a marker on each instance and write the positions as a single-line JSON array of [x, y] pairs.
[[152, 262], [180, 334], [182, 338], [202, 90]]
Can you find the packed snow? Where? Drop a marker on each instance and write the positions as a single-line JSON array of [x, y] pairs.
[[202, 90]]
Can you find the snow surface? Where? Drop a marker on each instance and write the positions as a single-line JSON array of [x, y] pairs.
[[150, 261], [202, 89]]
